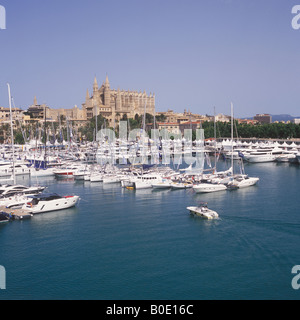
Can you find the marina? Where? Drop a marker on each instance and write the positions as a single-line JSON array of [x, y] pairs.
[[164, 252]]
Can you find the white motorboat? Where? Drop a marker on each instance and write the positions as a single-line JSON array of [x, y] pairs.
[[96, 177], [145, 181], [18, 169], [286, 157], [181, 185], [164, 184], [203, 212], [49, 202], [14, 201], [36, 172], [208, 187], [80, 173], [65, 172], [110, 179], [263, 155], [242, 181], [8, 190]]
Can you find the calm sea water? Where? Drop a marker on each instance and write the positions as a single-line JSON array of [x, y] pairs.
[[123, 244]]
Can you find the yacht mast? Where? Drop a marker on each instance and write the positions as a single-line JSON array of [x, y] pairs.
[[12, 135], [215, 136], [232, 138]]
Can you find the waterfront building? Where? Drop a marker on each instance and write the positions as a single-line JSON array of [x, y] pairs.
[[5, 114], [172, 127], [37, 113], [171, 116], [296, 121], [114, 104], [189, 125], [247, 121], [222, 118], [263, 118]]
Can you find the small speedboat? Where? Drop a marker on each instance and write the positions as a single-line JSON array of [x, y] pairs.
[[203, 211], [49, 202], [181, 185]]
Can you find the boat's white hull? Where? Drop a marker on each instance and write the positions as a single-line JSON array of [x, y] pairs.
[[244, 183], [6, 171], [203, 213], [161, 185], [208, 187], [142, 185], [260, 158], [96, 178], [16, 201], [53, 205], [181, 185], [111, 180], [41, 172], [62, 175]]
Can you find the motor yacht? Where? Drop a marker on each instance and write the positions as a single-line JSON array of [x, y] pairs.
[[49, 202], [18, 169], [14, 201], [96, 177], [164, 184], [181, 185], [263, 155], [8, 190], [208, 187], [39, 172], [145, 181], [242, 181]]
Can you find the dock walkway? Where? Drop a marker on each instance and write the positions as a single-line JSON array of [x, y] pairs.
[[15, 214]]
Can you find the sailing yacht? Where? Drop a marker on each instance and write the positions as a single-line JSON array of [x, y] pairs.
[[240, 180]]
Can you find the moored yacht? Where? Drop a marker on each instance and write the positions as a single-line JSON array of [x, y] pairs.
[[181, 185], [263, 155], [164, 184], [242, 181], [209, 187], [145, 181], [49, 202], [8, 190]]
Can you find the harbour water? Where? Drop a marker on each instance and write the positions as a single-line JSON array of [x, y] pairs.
[[143, 244]]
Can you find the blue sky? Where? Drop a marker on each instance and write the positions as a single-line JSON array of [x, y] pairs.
[[193, 54]]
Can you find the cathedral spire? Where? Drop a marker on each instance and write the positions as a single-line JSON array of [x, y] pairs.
[[95, 86], [107, 82], [87, 94]]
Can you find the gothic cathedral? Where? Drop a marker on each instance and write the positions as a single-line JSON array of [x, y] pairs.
[[114, 104]]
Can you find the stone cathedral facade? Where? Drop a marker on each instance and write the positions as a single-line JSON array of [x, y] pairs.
[[114, 104]]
